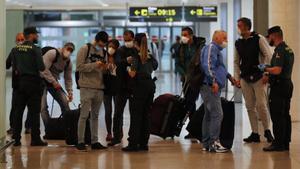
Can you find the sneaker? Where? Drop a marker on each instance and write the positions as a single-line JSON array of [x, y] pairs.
[[130, 149], [218, 148], [114, 142], [98, 146], [38, 143], [269, 136], [109, 137], [27, 131], [254, 137], [81, 147], [144, 148], [205, 149]]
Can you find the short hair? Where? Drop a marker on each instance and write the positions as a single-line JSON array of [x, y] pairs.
[[188, 29], [115, 42], [70, 44], [129, 32], [177, 37], [246, 21], [217, 33], [101, 36]]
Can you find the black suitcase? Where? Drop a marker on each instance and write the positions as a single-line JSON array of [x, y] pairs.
[[71, 127], [54, 129], [167, 116], [227, 128]]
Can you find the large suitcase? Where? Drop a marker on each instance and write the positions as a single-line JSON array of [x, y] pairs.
[[227, 127], [71, 127], [54, 126], [167, 116]]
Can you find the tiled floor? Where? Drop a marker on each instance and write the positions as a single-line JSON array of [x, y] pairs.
[[164, 154]]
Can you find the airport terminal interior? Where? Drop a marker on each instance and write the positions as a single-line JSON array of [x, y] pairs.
[[78, 21]]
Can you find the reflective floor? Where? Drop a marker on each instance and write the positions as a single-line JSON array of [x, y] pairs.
[[164, 154]]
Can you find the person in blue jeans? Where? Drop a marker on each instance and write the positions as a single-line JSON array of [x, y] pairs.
[[214, 80]]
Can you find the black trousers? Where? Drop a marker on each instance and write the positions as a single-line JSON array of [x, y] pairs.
[[142, 99], [108, 106], [279, 102], [11, 116], [28, 93], [191, 96], [120, 103]]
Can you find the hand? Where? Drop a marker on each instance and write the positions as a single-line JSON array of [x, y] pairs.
[[100, 64], [132, 73], [265, 79], [56, 86], [232, 81], [70, 97], [215, 88], [130, 59], [262, 67], [238, 83]]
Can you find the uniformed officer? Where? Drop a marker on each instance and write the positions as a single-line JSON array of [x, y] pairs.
[[280, 72], [28, 63]]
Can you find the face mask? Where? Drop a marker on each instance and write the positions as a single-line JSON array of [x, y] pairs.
[[98, 48], [66, 54], [35, 41], [111, 51], [184, 40], [19, 43], [271, 43], [224, 45], [129, 44]]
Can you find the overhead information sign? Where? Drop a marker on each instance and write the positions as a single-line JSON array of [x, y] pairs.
[[155, 14], [201, 13]]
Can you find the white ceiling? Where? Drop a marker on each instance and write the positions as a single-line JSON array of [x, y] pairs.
[[98, 4]]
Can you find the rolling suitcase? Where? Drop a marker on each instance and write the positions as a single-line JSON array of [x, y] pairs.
[[167, 116], [54, 127], [227, 127], [71, 127]]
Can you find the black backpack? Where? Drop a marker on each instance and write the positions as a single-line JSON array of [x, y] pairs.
[[77, 72]]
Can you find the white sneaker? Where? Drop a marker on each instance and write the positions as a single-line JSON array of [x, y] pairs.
[[218, 148], [205, 149]]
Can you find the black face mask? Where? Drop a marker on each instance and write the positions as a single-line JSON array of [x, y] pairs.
[[35, 41], [271, 43]]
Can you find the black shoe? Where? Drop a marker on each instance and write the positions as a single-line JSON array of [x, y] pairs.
[[98, 146], [287, 147], [38, 143], [269, 136], [114, 142], [81, 147], [189, 136], [144, 148], [10, 131], [27, 131], [17, 143], [130, 149], [253, 138], [273, 147]]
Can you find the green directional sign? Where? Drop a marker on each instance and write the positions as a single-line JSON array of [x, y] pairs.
[[201, 13], [155, 14]]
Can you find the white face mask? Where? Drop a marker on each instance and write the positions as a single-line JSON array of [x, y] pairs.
[[111, 51], [224, 45], [184, 39], [66, 54], [239, 32], [129, 44]]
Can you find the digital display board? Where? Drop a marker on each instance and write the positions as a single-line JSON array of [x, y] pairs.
[[155, 14], [201, 13]]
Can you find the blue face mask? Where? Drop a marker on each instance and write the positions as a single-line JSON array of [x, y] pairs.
[[98, 48]]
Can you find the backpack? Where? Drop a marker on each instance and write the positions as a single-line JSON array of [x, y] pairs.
[[77, 72]]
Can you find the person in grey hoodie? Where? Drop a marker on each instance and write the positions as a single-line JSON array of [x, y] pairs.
[[57, 61], [90, 65]]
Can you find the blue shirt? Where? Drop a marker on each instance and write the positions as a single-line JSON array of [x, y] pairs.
[[213, 65]]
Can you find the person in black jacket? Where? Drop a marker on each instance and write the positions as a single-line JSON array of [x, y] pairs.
[[110, 82], [124, 58], [142, 95], [19, 40]]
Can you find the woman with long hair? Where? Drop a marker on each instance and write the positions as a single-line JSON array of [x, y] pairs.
[[142, 97]]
